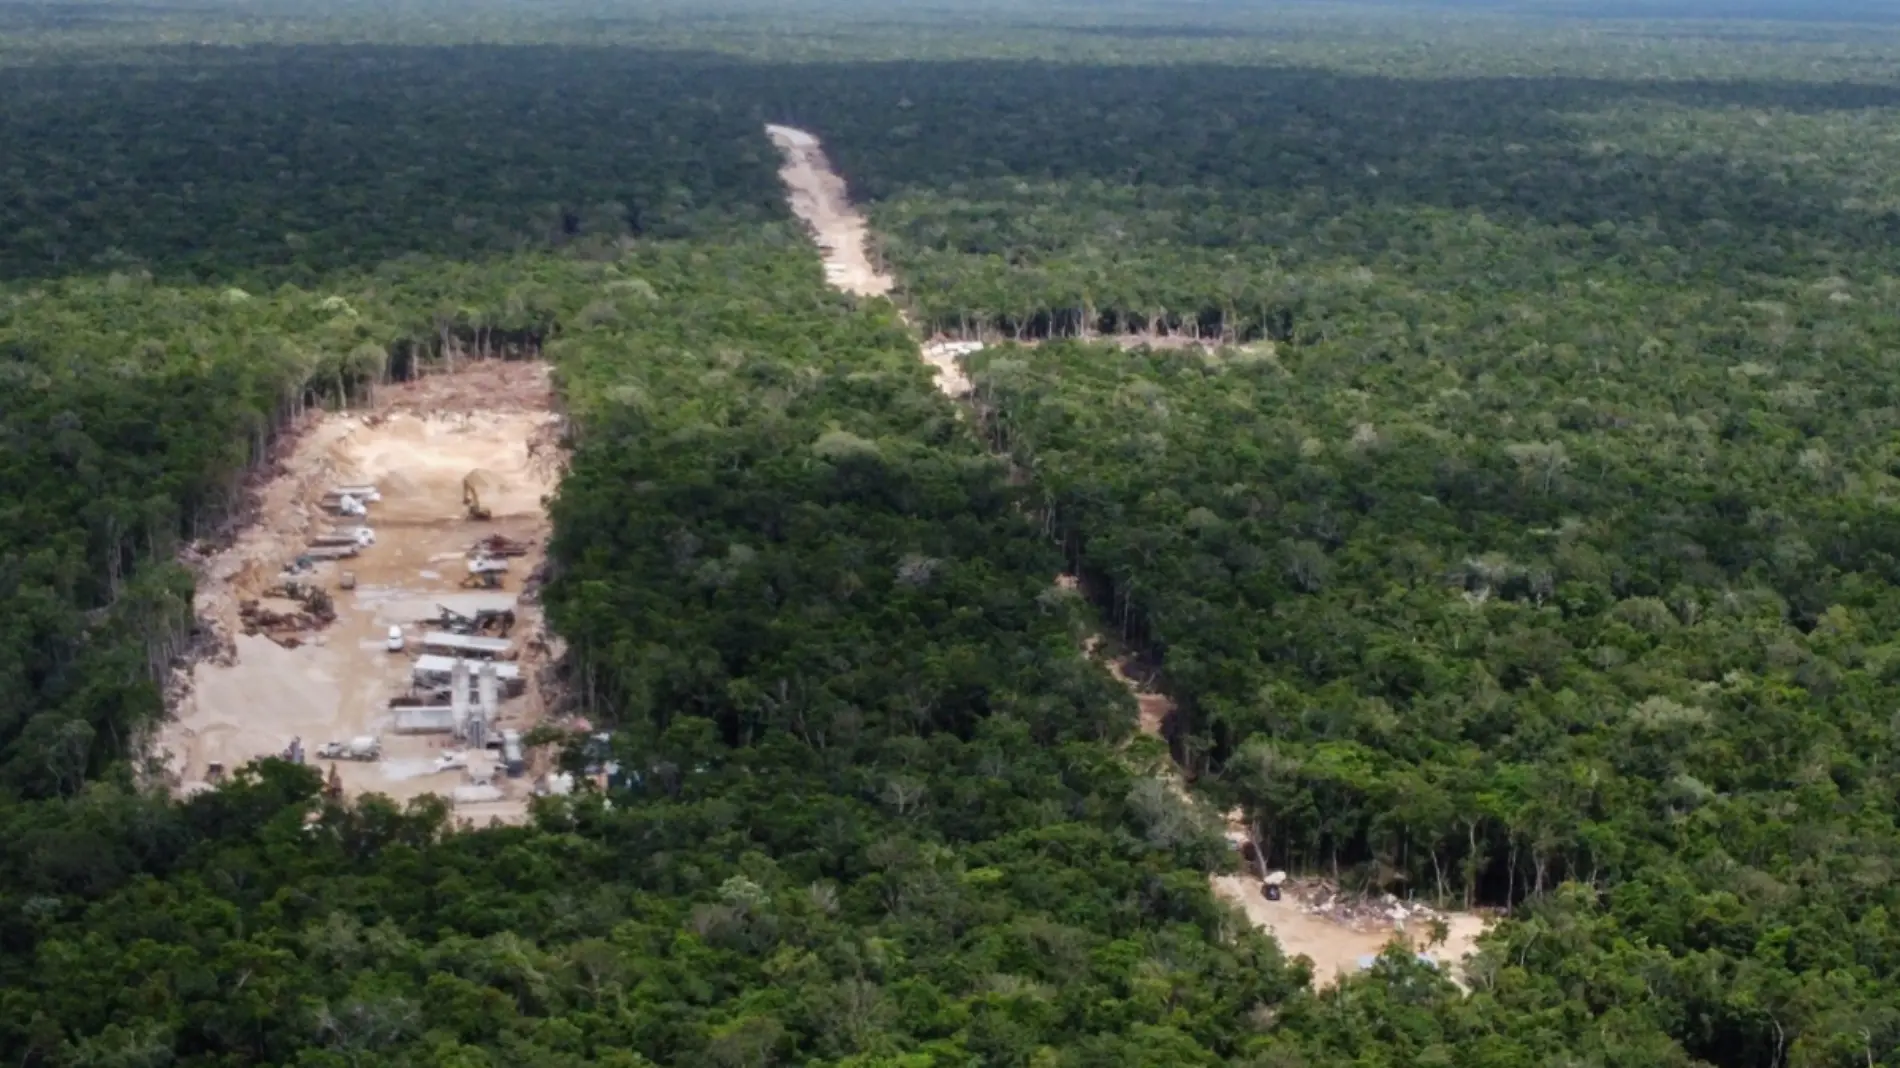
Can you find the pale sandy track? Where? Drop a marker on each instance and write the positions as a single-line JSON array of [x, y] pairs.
[[819, 197]]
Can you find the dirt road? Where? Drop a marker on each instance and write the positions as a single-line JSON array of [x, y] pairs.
[[819, 197]]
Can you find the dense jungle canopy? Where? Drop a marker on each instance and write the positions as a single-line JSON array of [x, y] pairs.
[[1481, 417]]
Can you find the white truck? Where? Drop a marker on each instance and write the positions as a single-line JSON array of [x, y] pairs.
[[362, 747]]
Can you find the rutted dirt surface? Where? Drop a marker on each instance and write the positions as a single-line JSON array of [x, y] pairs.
[[1336, 946], [493, 423], [818, 196]]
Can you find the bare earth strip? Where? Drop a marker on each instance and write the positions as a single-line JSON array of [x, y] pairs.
[[818, 197], [1334, 942]]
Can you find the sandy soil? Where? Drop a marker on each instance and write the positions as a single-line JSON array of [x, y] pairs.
[[417, 445], [819, 197], [1335, 947]]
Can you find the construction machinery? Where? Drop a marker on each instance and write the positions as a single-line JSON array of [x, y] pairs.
[[472, 499], [363, 747], [487, 623], [484, 573]]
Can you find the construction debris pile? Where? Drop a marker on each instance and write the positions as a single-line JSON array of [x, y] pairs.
[[499, 545], [301, 607], [313, 610], [1360, 913], [488, 560], [495, 623]]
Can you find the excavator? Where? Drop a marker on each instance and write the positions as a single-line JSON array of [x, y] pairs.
[[472, 499]]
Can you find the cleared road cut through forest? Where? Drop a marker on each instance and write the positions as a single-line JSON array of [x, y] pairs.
[[1336, 940]]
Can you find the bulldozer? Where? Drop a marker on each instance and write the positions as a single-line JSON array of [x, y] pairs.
[[472, 499]]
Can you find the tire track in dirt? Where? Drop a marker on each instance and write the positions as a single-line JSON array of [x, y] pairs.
[[819, 197]]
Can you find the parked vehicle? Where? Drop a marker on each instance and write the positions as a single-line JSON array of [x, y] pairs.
[[363, 747]]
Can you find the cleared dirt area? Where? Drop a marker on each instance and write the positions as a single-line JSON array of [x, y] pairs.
[[492, 427], [1305, 926], [1336, 933], [1336, 940], [818, 196]]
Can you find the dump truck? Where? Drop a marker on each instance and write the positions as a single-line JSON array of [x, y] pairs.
[[513, 761]]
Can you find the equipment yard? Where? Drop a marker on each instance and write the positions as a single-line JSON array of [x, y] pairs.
[[367, 561]]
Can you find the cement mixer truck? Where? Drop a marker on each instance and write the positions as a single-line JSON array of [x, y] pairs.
[[362, 747]]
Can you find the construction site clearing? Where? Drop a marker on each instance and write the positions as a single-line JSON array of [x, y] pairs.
[[380, 615]]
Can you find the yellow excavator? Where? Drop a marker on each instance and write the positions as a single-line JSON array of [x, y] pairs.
[[472, 499]]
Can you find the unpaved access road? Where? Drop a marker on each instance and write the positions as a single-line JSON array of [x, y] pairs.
[[819, 197]]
